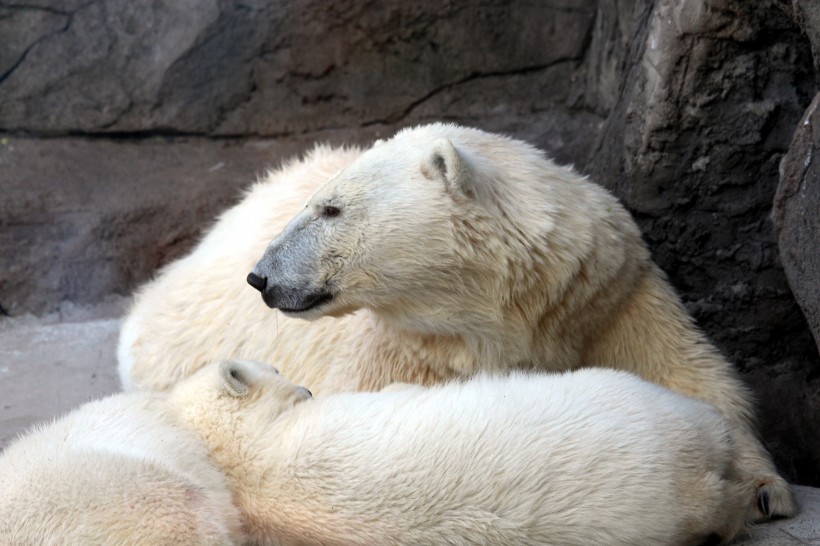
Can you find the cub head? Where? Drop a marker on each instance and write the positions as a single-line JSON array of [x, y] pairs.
[[409, 230], [223, 394]]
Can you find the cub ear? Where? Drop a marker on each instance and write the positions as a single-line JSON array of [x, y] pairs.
[[235, 378], [443, 163]]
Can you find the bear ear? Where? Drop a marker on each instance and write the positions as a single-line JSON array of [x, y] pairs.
[[443, 163], [235, 378]]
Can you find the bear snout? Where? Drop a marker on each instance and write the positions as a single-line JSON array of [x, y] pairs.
[[291, 300], [270, 297], [257, 282]]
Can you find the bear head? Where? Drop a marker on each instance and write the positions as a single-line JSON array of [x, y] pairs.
[[220, 395], [434, 228]]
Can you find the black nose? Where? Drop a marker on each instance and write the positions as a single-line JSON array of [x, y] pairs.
[[257, 282]]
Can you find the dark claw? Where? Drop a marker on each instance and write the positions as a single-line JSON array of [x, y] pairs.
[[763, 503]]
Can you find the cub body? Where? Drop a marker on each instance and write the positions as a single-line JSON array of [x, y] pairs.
[[590, 457], [121, 470]]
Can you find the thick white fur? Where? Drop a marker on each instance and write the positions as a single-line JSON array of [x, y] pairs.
[[122, 470], [456, 251], [590, 457], [200, 309]]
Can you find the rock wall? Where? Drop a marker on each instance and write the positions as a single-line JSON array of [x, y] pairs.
[[259, 68], [125, 126], [711, 95], [797, 215]]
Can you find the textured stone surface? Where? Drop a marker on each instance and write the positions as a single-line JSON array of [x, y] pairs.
[[125, 126], [712, 92], [796, 214], [83, 218], [270, 68], [806, 13]]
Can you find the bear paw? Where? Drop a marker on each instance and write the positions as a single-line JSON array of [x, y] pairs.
[[774, 500]]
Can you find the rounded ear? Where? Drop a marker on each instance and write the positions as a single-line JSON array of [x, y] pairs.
[[235, 378], [443, 163]]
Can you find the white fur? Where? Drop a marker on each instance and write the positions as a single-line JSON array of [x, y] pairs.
[[589, 457], [128, 335], [122, 470], [456, 251]]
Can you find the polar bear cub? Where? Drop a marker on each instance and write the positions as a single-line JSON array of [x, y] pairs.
[[590, 457], [121, 470]]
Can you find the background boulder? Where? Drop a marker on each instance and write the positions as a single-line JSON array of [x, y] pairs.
[[797, 215]]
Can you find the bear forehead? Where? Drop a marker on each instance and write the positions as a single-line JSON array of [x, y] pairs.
[[377, 177], [390, 158]]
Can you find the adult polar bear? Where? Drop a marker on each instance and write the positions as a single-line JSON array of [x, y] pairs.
[[440, 252]]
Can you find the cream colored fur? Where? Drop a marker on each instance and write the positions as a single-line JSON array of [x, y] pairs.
[[523, 459], [456, 251], [122, 470]]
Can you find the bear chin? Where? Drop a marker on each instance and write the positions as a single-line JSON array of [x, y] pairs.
[[304, 304]]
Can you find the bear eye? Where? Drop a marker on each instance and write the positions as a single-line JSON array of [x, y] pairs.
[[330, 211]]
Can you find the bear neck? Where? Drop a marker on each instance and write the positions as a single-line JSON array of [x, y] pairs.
[[229, 434], [427, 353], [260, 457], [548, 299]]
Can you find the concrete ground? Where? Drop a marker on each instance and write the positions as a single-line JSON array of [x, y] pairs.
[[51, 364]]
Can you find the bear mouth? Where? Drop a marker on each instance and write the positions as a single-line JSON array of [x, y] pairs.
[[309, 302]]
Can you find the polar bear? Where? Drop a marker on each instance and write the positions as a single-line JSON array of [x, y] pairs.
[[121, 470], [439, 253], [517, 459]]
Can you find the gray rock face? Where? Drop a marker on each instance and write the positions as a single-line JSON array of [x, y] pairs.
[[125, 126], [271, 68], [796, 215], [84, 218], [712, 92], [806, 14]]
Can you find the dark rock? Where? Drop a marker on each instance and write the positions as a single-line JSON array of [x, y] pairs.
[[83, 218], [262, 68], [796, 215], [711, 94], [806, 13]]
